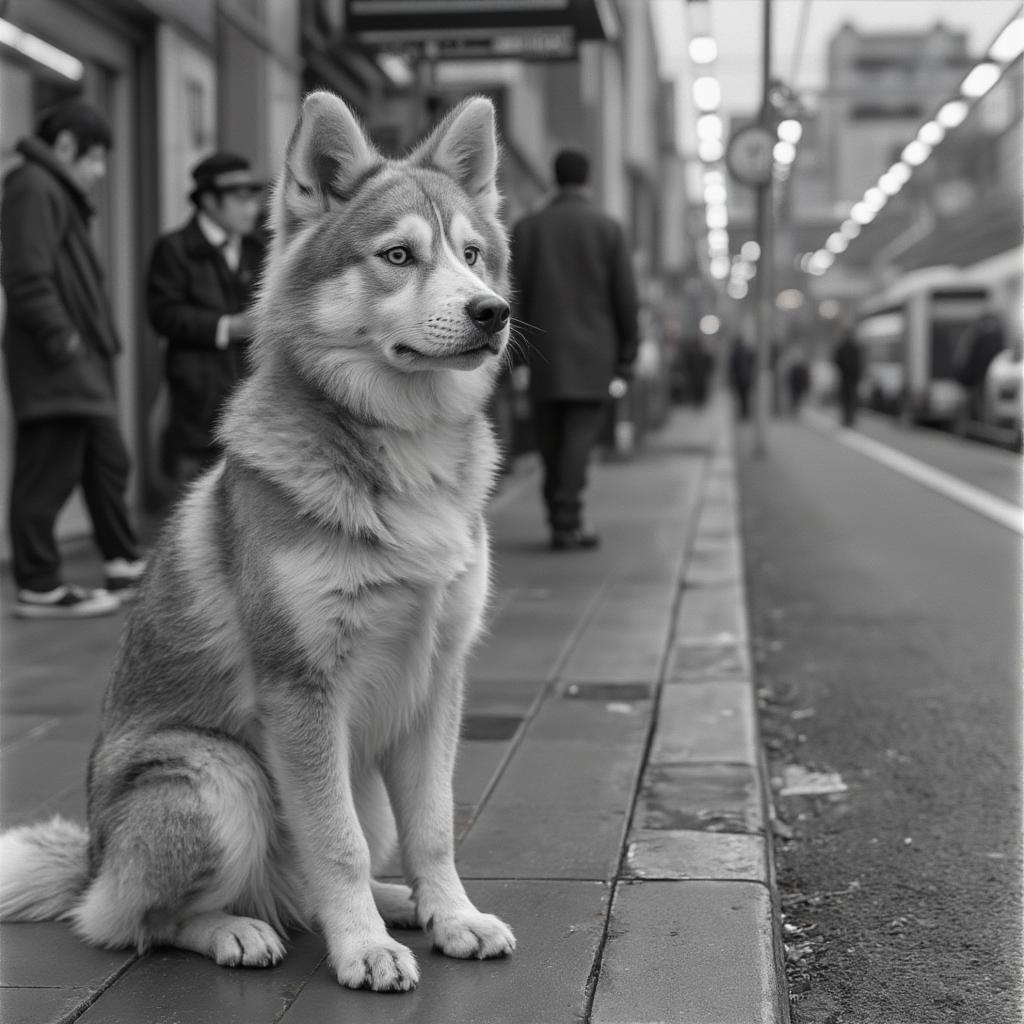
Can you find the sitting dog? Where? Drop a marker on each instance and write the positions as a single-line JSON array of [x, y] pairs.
[[289, 685]]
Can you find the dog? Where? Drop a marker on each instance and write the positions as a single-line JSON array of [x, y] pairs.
[[285, 703]]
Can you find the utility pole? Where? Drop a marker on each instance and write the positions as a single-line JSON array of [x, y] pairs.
[[766, 263]]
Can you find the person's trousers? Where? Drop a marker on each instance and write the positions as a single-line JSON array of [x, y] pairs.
[[848, 402], [51, 457], [565, 433]]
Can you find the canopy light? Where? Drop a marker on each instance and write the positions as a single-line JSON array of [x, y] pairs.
[[41, 51], [720, 267], [707, 93], [709, 324], [709, 126], [915, 153], [715, 195], [750, 250], [703, 50], [850, 228], [875, 198], [784, 152], [716, 217], [710, 150], [737, 289], [931, 133], [837, 242], [952, 114], [862, 213], [790, 130], [1009, 44], [979, 80]]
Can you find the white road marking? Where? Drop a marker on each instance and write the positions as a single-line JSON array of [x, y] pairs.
[[997, 509]]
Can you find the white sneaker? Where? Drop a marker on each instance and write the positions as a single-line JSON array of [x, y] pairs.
[[122, 577], [65, 602]]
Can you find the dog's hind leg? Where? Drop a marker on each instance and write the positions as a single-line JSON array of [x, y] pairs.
[[230, 940], [182, 842]]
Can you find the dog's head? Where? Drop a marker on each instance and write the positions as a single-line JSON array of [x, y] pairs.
[[384, 281]]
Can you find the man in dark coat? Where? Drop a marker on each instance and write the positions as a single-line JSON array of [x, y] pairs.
[[60, 344], [849, 361], [200, 284], [576, 300]]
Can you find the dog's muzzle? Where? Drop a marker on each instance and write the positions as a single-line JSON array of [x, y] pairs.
[[489, 314]]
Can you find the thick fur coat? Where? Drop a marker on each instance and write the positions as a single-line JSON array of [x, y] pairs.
[[290, 681]]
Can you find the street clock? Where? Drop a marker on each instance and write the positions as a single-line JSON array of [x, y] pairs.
[[749, 156]]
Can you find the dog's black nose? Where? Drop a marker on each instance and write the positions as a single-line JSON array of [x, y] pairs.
[[490, 314]]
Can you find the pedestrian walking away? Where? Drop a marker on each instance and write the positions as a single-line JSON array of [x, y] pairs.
[[577, 304], [60, 344], [849, 362], [741, 375], [201, 281]]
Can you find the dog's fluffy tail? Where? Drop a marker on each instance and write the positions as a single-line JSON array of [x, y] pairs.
[[43, 870]]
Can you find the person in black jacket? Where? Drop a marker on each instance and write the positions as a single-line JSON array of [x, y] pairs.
[[60, 343], [200, 284], [576, 299], [849, 361]]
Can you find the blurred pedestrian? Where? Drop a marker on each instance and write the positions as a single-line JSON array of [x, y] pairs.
[[199, 288], [697, 364], [849, 361], [60, 343], [577, 303], [741, 374], [798, 381], [973, 355]]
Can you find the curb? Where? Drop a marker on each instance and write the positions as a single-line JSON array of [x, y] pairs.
[[697, 904]]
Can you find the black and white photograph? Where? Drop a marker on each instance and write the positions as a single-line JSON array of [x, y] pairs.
[[511, 511]]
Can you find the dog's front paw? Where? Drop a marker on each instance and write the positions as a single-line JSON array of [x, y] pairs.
[[381, 966], [472, 935]]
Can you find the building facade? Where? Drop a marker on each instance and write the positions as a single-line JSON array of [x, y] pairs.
[[179, 78]]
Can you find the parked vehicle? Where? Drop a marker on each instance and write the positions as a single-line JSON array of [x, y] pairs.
[[908, 332]]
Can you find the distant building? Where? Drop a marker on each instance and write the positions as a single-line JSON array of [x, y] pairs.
[[881, 89]]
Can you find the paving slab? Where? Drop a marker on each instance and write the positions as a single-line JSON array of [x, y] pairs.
[[558, 927], [34, 990], [560, 808], [171, 986], [528, 638], [700, 660], [498, 695], [624, 637], [33, 774], [711, 722], [693, 952], [675, 853], [711, 613], [700, 797]]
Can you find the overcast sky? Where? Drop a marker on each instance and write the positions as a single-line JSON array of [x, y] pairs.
[[736, 26]]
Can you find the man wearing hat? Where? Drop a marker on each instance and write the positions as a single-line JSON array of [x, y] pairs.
[[200, 284]]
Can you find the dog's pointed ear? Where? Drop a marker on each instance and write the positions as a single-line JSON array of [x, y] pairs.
[[465, 147], [327, 155]]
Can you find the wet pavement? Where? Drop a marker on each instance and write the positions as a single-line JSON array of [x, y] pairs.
[[610, 788]]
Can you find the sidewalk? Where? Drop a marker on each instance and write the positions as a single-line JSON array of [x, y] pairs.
[[610, 797]]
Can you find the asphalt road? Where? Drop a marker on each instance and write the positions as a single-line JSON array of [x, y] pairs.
[[886, 625]]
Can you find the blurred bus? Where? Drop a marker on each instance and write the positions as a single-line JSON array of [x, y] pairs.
[[908, 334], [997, 413]]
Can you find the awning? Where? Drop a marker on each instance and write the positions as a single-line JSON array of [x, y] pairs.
[[396, 22]]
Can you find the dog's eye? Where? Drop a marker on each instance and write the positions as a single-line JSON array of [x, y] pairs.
[[471, 254], [398, 256]]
